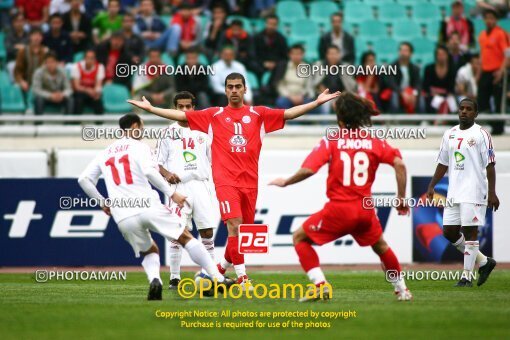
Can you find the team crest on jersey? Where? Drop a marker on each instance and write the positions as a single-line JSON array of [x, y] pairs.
[[471, 141], [200, 139], [238, 140], [451, 137], [228, 119], [246, 119]]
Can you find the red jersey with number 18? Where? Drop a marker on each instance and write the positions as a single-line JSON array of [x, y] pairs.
[[236, 135], [353, 164]]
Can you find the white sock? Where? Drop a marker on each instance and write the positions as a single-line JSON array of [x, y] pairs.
[[200, 256], [470, 252], [316, 275], [175, 253], [399, 284], [151, 265], [240, 269], [225, 264], [209, 246], [481, 259]]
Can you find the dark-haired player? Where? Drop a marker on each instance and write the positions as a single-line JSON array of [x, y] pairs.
[[129, 171], [353, 161], [184, 157], [467, 154], [237, 131]]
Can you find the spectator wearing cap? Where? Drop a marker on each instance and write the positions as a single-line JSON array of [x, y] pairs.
[[87, 79], [29, 58], [458, 24], [494, 46], [79, 27], [112, 52], [337, 36], [51, 86]]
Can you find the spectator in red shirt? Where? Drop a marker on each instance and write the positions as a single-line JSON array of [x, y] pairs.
[[35, 11], [458, 23], [190, 27], [112, 52], [87, 76]]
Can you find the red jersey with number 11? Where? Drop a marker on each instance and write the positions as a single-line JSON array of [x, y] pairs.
[[236, 135], [353, 164]]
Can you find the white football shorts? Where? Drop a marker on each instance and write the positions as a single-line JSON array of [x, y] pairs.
[[465, 214], [203, 203], [160, 219]]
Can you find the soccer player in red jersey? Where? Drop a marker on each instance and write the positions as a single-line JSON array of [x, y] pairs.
[[353, 161], [236, 131]]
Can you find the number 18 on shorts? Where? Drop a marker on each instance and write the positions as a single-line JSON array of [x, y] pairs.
[[253, 239]]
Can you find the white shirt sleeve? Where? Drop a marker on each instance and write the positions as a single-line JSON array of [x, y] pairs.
[[486, 149], [442, 157], [100, 73], [88, 179], [75, 72], [150, 168], [162, 151]]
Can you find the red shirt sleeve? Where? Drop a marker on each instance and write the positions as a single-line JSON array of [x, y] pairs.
[[387, 153], [272, 118], [318, 157], [200, 120]]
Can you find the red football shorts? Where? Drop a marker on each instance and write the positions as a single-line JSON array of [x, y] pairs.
[[237, 202], [338, 219]]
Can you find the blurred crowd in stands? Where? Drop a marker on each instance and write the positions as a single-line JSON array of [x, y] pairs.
[[62, 53]]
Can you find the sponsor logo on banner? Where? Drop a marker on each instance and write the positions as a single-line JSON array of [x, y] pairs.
[[253, 238]]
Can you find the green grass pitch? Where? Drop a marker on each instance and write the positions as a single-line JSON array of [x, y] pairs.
[[118, 309]]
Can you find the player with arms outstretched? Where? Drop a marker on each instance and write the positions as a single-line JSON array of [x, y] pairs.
[[467, 154], [128, 170], [184, 158], [353, 161], [236, 131]]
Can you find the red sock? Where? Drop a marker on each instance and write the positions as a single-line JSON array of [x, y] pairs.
[[390, 261], [307, 256], [227, 252], [237, 258]]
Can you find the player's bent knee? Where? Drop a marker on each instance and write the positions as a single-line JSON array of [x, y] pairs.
[[185, 237], [380, 247], [451, 233], [206, 233], [470, 233], [299, 236], [153, 249]]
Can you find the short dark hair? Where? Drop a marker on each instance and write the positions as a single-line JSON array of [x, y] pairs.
[[55, 16], [490, 11], [272, 16], [194, 50], [153, 49], [297, 47], [333, 47], [365, 56], [50, 55], [117, 34], [236, 22], [16, 16], [235, 75], [36, 30], [337, 14], [408, 44], [472, 56], [471, 100], [126, 121], [184, 95]]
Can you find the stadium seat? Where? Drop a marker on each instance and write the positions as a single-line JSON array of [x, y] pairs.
[[289, 11], [167, 59], [311, 45], [479, 26], [423, 60], [253, 81], [320, 12], [11, 99], [202, 59], [246, 22], [408, 3], [377, 3], [373, 29], [78, 56], [406, 30], [363, 44], [258, 25], [505, 24], [3, 52], [445, 3], [423, 46], [423, 12], [166, 19], [385, 46], [114, 99], [356, 12], [304, 28], [265, 78], [432, 28], [4, 78], [389, 13]]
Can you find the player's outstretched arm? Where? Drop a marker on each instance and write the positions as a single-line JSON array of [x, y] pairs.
[[172, 114], [401, 175], [492, 199], [441, 170], [299, 176], [298, 111]]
